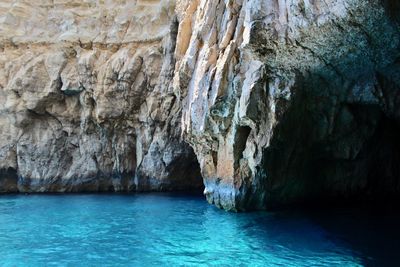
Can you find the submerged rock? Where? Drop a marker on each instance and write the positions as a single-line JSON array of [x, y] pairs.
[[274, 101]]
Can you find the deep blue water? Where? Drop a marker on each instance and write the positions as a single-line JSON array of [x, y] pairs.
[[183, 230]]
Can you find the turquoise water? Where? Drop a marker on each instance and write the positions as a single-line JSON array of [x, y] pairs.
[[183, 230]]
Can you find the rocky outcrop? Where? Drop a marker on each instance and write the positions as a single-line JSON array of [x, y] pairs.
[[276, 101], [85, 98], [289, 100]]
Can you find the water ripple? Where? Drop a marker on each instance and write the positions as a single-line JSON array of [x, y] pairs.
[[161, 230]]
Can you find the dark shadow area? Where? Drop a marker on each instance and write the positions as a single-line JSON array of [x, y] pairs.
[[372, 232], [8, 180], [383, 152], [392, 7], [329, 152], [185, 172], [242, 133], [370, 236]]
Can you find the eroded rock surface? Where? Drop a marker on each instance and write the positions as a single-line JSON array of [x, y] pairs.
[[289, 100], [277, 100], [85, 98]]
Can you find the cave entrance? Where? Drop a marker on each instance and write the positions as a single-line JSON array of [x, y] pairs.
[[185, 172], [358, 164], [383, 155]]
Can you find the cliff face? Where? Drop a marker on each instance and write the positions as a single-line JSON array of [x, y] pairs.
[[275, 100], [85, 98], [289, 100]]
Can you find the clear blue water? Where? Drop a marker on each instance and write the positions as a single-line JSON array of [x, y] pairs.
[[183, 230]]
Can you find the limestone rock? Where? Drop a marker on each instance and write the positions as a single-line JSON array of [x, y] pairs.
[[289, 100], [276, 101], [85, 101]]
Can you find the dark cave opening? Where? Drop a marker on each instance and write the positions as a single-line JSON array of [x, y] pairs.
[[356, 163], [369, 179], [384, 160], [242, 134], [8, 180], [314, 178], [185, 174], [392, 7]]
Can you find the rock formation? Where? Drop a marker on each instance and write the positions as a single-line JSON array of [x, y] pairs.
[[292, 99], [85, 98], [278, 101]]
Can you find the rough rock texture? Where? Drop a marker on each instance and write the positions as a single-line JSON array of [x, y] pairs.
[[85, 98], [289, 100], [281, 100]]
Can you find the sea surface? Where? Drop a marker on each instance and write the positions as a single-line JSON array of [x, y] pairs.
[[183, 230]]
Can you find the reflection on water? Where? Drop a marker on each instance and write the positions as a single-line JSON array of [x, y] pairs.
[[183, 230]]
